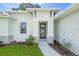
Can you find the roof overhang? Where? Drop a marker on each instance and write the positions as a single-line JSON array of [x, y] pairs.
[[18, 11], [5, 17], [43, 9], [69, 10]]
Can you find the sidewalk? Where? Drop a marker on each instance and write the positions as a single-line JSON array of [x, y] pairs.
[[47, 50]]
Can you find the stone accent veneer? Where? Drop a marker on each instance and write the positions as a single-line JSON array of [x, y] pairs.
[[36, 39], [6, 39], [49, 39]]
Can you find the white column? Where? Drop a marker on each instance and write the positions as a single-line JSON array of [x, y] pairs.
[[35, 27], [51, 29]]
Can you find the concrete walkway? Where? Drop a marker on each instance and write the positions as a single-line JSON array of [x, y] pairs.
[[47, 50]]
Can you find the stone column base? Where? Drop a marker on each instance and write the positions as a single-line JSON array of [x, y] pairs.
[[50, 39]]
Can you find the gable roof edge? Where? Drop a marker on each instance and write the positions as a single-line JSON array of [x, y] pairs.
[[67, 11]]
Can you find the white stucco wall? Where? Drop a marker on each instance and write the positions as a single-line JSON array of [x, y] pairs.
[[32, 25], [5, 30], [18, 18], [68, 28], [10, 26], [3, 26], [43, 16]]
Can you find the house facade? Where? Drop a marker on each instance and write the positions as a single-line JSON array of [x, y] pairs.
[[18, 25], [43, 24], [67, 27]]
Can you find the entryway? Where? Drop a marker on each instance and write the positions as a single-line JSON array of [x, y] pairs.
[[42, 31]]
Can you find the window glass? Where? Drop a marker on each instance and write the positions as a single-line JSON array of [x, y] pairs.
[[23, 27]]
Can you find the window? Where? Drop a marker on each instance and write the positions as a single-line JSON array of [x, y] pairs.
[[23, 27]]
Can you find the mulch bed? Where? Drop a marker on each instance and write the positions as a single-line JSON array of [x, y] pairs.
[[13, 43], [16, 43], [60, 49]]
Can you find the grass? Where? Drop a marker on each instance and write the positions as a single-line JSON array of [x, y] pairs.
[[20, 50]]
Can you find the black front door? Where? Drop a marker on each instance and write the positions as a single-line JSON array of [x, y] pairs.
[[42, 30]]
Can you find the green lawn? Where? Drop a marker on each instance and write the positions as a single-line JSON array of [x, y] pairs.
[[20, 50]]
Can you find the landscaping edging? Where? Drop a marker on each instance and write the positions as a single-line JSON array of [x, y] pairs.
[[60, 49]]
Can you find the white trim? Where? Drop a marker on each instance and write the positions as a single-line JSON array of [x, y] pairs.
[[4, 16], [19, 11], [42, 9], [32, 9]]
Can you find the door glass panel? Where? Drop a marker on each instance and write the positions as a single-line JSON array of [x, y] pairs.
[[42, 30]]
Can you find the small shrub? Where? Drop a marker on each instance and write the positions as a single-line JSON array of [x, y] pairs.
[[30, 40], [66, 44]]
